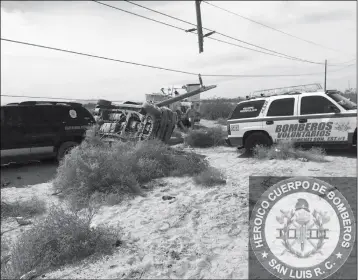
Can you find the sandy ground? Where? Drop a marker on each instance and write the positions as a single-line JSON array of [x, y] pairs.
[[201, 233]]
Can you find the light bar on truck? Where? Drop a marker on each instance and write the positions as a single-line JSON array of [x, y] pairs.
[[286, 90]]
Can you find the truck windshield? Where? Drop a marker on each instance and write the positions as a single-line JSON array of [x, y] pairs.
[[344, 102]]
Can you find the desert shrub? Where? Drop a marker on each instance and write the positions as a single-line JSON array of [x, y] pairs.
[[25, 208], [210, 177], [120, 169], [206, 137], [62, 238], [289, 150], [350, 95], [221, 121], [214, 109]]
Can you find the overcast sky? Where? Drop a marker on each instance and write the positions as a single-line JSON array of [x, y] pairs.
[[96, 29]]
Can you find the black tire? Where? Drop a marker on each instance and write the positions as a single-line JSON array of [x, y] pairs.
[[170, 126], [254, 139], [64, 149], [163, 124]]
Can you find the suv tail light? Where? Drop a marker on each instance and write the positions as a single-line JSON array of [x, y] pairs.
[[228, 129]]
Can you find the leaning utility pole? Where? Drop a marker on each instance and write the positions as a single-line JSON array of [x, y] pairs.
[[199, 26], [325, 75]]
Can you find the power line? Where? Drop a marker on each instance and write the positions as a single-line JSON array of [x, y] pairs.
[[209, 75], [176, 27], [187, 22], [96, 56], [56, 98], [342, 63], [125, 11], [273, 75], [76, 99], [224, 35], [163, 14], [51, 98], [274, 53], [219, 33], [272, 28], [155, 67]]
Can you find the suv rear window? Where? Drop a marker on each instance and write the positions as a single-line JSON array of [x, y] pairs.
[[250, 109], [83, 113], [10, 116], [41, 114], [281, 107]]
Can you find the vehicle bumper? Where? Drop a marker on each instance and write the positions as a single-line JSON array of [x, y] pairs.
[[235, 142], [351, 138]]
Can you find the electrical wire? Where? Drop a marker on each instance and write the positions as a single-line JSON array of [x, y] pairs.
[[96, 56], [273, 75], [76, 99], [274, 53], [272, 28], [156, 67], [52, 98], [219, 33], [227, 36]]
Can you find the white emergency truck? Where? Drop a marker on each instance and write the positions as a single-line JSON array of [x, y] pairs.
[[304, 114]]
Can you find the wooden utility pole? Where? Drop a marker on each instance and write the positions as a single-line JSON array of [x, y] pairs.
[[199, 26], [325, 75]]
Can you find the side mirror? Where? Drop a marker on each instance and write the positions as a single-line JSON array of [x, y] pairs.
[[334, 109]]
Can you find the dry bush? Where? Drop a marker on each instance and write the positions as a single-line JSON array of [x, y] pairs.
[[206, 137], [62, 238], [120, 169], [221, 121], [24, 208], [289, 150], [210, 177], [214, 109]]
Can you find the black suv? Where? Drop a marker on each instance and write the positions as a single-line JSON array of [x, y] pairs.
[[41, 129]]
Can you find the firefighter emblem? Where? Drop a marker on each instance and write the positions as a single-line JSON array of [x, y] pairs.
[[302, 228]]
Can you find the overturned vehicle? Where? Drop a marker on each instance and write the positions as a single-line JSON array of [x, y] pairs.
[[133, 121]]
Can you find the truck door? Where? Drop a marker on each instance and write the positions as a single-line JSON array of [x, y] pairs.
[[13, 142], [244, 118], [41, 127], [280, 118], [322, 122]]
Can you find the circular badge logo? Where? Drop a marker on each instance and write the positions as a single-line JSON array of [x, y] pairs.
[[302, 228], [73, 114]]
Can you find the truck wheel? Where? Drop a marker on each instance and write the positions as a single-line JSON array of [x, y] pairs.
[[152, 110], [64, 149], [163, 124], [254, 139]]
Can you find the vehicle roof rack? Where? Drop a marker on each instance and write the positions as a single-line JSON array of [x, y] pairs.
[[332, 90], [74, 104], [285, 90]]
